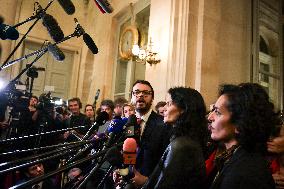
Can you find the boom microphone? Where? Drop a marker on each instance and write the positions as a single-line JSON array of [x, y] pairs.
[[8, 32], [87, 38], [90, 43], [97, 94], [104, 6], [56, 52], [52, 27], [68, 6]]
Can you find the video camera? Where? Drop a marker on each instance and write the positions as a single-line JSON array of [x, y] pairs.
[[15, 97], [47, 103]]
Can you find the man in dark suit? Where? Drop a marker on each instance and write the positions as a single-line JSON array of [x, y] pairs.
[[154, 135], [36, 171]]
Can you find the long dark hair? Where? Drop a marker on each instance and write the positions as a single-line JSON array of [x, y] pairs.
[[192, 121], [252, 114]]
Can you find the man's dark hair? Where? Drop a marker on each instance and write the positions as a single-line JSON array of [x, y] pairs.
[[120, 101], [160, 104], [75, 99], [252, 114], [35, 97], [145, 83], [108, 103]]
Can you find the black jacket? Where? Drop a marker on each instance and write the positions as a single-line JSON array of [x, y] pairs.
[[182, 166], [154, 140], [244, 171]]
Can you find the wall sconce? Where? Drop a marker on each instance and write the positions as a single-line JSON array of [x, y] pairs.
[[145, 55]]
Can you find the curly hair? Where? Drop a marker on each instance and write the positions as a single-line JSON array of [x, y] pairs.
[[252, 114], [192, 121]]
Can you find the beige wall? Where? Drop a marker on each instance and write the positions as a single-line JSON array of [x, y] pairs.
[[202, 43], [226, 45]]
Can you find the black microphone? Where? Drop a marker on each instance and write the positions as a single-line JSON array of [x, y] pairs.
[[114, 157], [67, 6], [1, 19], [104, 6], [97, 94], [52, 27], [37, 68], [8, 32], [96, 98], [56, 52], [131, 127], [100, 120], [87, 39], [90, 43]]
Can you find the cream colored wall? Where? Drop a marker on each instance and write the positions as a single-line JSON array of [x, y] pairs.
[[201, 43], [226, 45], [217, 49]]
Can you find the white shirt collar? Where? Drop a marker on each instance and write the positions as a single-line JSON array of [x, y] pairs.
[[144, 117]]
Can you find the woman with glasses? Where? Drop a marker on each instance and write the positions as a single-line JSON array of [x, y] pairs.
[[182, 164], [242, 119]]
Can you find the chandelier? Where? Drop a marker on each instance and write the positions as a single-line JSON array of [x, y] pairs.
[[146, 55]]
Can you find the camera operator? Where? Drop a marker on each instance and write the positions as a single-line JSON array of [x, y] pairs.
[[33, 103], [46, 120]]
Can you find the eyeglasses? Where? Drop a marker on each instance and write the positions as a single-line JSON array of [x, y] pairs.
[[144, 93]]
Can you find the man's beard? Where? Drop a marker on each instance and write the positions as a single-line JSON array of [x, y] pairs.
[[144, 110]]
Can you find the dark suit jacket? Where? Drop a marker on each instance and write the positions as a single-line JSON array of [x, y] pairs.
[[47, 184], [154, 140], [182, 166], [244, 171]]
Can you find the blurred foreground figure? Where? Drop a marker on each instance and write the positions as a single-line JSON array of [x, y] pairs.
[[242, 119]]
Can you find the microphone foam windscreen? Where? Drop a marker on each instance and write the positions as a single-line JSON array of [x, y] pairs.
[[132, 120], [102, 117], [68, 6], [8, 32], [90, 43], [129, 145], [52, 27], [56, 52], [129, 151], [116, 126], [114, 157]]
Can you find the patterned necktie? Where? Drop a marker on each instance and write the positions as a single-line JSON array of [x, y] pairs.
[[36, 186], [137, 130]]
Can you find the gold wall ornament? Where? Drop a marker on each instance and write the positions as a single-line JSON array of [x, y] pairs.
[[128, 38]]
